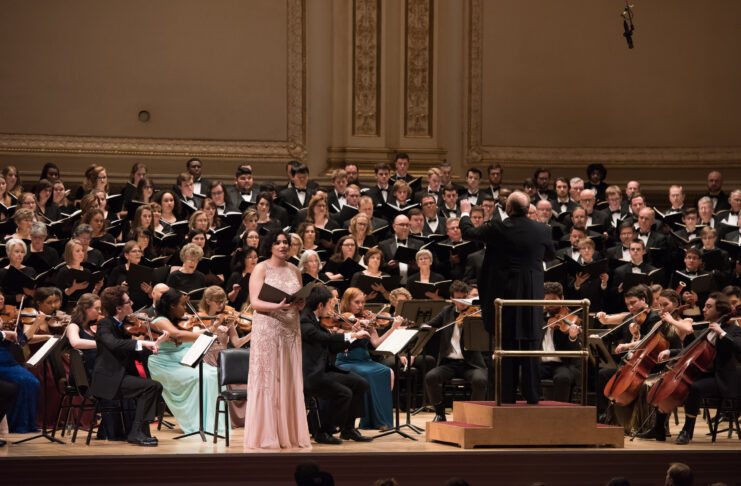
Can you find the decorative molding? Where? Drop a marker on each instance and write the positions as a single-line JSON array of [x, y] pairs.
[[418, 69], [366, 68], [474, 61], [293, 147]]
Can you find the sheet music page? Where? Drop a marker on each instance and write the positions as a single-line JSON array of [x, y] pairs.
[[396, 341], [39, 355], [199, 348]]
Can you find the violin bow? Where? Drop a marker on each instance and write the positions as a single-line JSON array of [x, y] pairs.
[[21, 338], [195, 313], [562, 318]]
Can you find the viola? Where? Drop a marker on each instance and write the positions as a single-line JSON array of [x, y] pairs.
[[9, 314], [626, 383], [189, 321]]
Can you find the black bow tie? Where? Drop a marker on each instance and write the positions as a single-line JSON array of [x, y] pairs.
[[617, 211], [341, 195], [636, 266], [432, 220], [690, 273], [625, 248], [642, 234], [401, 242], [301, 190]]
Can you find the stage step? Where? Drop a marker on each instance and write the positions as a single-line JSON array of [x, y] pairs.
[[521, 424]]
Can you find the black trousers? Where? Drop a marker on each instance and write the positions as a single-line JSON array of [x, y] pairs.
[[455, 368], [8, 395], [522, 371], [564, 377], [702, 388], [146, 393], [343, 394]]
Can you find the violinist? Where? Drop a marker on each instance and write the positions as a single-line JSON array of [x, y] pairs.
[[21, 413], [81, 335], [180, 387], [379, 407], [343, 390], [634, 324], [724, 379], [561, 334], [453, 361], [212, 304], [115, 375]]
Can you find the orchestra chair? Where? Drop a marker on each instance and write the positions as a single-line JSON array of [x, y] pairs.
[[69, 394], [233, 369], [312, 413], [726, 409], [89, 402]]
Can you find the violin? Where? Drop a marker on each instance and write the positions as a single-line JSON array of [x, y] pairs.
[[563, 319], [138, 325], [472, 311], [56, 322], [8, 315], [334, 320]]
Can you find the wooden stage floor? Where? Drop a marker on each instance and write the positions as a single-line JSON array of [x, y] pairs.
[[190, 461]]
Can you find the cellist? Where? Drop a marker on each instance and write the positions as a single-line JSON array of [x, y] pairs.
[[637, 322], [724, 379]]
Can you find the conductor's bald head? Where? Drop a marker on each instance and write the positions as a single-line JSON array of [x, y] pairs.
[[517, 204]]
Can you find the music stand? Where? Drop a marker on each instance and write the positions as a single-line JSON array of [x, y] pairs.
[[421, 311], [398, 342], [194, 357], [477, 338], [40, 358]]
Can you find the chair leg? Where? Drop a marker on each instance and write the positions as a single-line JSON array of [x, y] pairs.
[[716, 421], [92, 423], [676, 417], [226, 424], [216, 419], [59, 416], [79, 419]]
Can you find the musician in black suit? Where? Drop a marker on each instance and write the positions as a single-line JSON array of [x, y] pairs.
[[542, 179], [200, 184], [616, 209], [724, 380], [299, 194], [637, 264], [433, 222], [718, 198], [562, 335], [513, 269], [185, 190], [342, 390], [336, 196], [562, 203], [390, 245], [434, 187], [647, 232], [449, 206], [638, 301], [380, 192], [401, 164], [242, 194], [454, 361], [472, 192], [115, 375]]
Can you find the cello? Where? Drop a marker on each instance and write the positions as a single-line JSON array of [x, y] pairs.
[[691, 364], [625, 384]]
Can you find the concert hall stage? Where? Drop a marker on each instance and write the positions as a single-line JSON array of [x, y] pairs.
[[190, 461]]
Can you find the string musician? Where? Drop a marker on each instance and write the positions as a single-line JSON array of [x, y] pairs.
[[344, 391], [115, 375], [453, 361], [723, 380], [561, 334], [631, 325]]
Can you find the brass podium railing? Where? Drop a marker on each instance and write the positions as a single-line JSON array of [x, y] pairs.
[[500, 353]]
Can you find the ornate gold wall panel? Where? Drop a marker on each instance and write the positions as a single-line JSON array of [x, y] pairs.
[[418, 74], [366, 73]]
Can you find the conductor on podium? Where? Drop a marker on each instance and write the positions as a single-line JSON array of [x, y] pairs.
[[513, 269]]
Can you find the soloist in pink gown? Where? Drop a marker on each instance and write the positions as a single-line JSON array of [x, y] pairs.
[[276, 413]]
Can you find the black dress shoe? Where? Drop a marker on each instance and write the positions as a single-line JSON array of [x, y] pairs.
[[2, 443], [602, 418], [653, 435], [353, 434], [440, 418], [325, 438], [683, 438], [140, 440]]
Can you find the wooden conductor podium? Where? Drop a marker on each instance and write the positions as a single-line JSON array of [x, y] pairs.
[[547, 423]]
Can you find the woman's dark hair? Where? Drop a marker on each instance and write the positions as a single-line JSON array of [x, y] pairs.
[[41, 185], [167, 301], [144, 181], [267, 242], [268, 197], [135, 168], [242, 255], [47, 167], [177, 208], [337, 255]]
